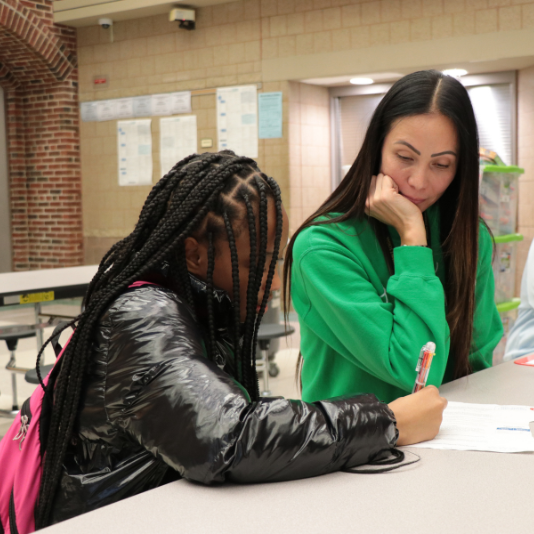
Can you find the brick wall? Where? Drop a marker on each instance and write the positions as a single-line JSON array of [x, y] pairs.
[[39, 75]]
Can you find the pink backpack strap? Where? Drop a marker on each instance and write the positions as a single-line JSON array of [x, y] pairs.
[[141, 283]]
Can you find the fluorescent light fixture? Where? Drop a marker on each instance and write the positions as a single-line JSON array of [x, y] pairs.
[[456, 73], [361, 81]]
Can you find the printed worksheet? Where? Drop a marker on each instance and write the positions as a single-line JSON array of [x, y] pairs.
[[178, 139], [484, 427], [124, 108], [237, 119], [106, 110], [134, 139]]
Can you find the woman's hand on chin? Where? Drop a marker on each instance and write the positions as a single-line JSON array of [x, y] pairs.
[[386, 204]]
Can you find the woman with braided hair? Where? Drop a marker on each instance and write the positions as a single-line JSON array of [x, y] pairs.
[[158, 381]]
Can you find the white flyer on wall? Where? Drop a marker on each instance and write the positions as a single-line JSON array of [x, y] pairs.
[[88, 111], [134, 140], [106, 110], [178, 139], [237, 119], [124, 108], [142, 106], [181, 102], [162, 104]]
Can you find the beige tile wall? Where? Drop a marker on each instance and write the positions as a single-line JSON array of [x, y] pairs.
[[111, 211], [299, 27], [309, 150], [233, 44], [525, 119]]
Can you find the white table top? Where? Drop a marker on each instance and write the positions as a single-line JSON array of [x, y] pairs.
[[446, 492], [45, 279]]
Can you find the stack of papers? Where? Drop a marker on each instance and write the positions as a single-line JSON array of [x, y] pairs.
[[484, 427]]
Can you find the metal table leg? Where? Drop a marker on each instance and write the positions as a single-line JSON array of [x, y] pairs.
[[39, 331], [265, 360]]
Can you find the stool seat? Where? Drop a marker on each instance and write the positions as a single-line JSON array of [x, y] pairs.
[[12, 334], [19, 331], [31, 375]]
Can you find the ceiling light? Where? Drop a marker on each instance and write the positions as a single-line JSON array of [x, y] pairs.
[[456, 73], [361, 81]]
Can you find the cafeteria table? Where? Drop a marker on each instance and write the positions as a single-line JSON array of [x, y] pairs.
[[446, 492], [46, 285]]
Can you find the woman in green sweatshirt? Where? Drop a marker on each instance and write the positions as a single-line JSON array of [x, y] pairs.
[[398, 256]]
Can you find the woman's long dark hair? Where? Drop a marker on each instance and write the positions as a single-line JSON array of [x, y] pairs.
[[211, 197], [420, 93]]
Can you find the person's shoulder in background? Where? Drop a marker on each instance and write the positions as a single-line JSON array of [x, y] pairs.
[[521, 338]]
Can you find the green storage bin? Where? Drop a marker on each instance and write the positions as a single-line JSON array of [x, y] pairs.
[[498, 197], [504, 266]]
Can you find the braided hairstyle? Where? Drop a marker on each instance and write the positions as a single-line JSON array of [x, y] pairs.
[[211, 196]]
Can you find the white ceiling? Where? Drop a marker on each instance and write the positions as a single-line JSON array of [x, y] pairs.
[[87, 12]]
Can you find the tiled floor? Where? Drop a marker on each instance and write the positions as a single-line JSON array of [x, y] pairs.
[[284, 384]]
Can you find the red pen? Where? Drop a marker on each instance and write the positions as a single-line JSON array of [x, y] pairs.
[[423, 365]]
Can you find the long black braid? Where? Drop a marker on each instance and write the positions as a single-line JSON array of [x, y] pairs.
[[236, 301], [211, 318], [206, 192]]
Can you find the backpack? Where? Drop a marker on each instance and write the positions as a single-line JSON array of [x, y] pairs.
[[22, 452], [23, 447]]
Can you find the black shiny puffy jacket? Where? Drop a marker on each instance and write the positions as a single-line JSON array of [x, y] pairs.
[[155, 409]]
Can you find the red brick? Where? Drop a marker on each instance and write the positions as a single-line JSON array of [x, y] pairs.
[[43, 137]]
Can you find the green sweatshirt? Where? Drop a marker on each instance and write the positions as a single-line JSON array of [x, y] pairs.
[[362, 330]]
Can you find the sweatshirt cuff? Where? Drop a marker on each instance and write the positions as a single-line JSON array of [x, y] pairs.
[[416, 261]]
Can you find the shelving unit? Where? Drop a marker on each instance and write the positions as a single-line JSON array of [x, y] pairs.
[[498, 207]]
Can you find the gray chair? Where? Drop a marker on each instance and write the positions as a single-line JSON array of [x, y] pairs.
[[31, 375]]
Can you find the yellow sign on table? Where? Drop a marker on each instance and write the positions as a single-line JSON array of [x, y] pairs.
[[32, 298]]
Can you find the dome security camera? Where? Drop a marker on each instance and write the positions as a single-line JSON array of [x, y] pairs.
[[105, 23]]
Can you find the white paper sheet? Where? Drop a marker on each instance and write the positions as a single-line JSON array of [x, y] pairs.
[[124, 108], [181, 102], [484, 427], [142, 106], [88, 111], [106, 110], [178, 139], [162, 104], [237, 119], [134, 140]]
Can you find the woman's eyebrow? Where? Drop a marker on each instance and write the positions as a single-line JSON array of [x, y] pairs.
[[408, 145], [442, 153], [405, 143]]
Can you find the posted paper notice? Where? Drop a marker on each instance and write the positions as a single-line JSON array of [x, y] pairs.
[[270, 115], [237, 120], [134, 140], [178, 139], [484, 427]]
